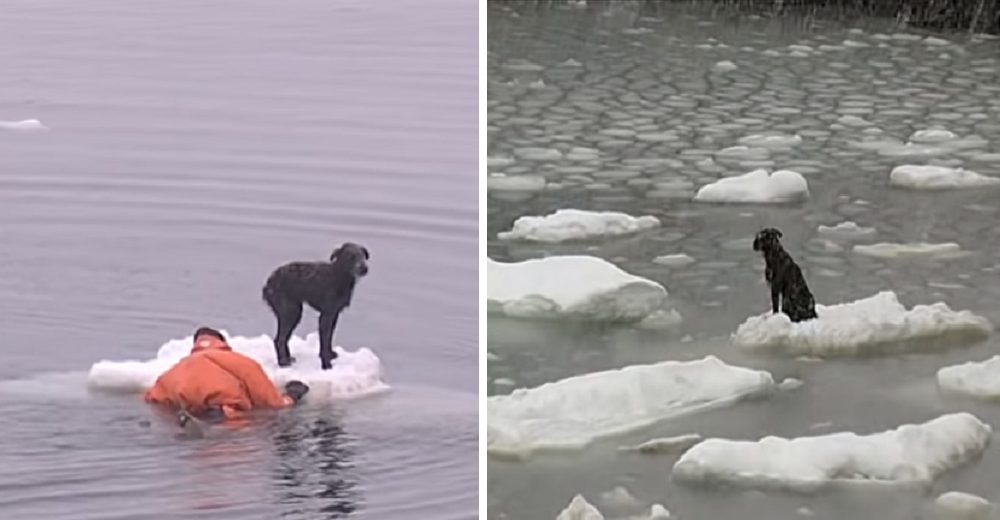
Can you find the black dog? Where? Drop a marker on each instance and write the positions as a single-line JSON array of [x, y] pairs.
[[325, 286], [784, 277]]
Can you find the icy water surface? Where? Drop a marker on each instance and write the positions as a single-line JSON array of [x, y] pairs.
[[192, 147], [602, 109]]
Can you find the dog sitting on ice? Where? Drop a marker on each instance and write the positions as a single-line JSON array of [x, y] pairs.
[[784, 277]]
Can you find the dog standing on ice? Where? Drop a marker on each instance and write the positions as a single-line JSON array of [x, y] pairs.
[[325, 286], [784, 277]]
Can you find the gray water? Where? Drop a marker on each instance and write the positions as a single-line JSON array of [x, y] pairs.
[[193, 147], [643, 92]]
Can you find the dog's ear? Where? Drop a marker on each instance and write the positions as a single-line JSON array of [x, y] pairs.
[[335, 253], [777, 232], [367, 255]]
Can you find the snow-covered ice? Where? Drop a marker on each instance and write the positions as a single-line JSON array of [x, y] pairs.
[[909, 454], [501, 182], [674, 444], [676, 260], [354, 374], [26, 125], [979, 379], [893, 250], [575, 224], [756, 187], [580, 509], [770, 141], [932, 135], [869, 325], [846, 229], [573, 286], [571, 413], [725, 66], [938, 177], [955, 505]]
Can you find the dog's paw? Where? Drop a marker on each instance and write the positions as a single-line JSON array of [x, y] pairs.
[[285, 363]]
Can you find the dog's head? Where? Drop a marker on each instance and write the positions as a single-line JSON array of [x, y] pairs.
[[767, 239], [354, 255]]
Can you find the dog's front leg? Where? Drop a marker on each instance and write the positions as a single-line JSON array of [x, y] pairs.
[[327, 324], [775, 295]]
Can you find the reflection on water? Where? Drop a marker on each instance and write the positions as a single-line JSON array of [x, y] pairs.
[[314, 472]]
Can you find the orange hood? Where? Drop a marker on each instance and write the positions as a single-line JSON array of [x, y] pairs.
[[202, 343]]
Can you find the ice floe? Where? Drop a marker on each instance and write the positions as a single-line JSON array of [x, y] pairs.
[[676, 260], [932, 135], [574, 286], [910, 454], [865, 326], [354, 374], [890, 250], [955, 505], [575, 224], [529, 183], [580, 509], [938, 177], [846, 229], [770, 141], [980, 379], [756, 187], [571, 413], [674, 444], [26, 125]]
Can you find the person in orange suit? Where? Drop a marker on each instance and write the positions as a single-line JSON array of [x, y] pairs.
[[213, 382]]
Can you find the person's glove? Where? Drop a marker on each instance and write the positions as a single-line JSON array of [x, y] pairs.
[[296, 390]]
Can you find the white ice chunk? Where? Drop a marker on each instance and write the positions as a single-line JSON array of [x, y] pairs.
[[538, 154], [770, 140], [977, 379], [26, 125], [354, 374], [910, 454], [756, 187], [571, 413], [724, 66], [854, 121], [930, 40], [889, 250], [570, 286], [743, 153], [938, 178], [932, 135], [674, 444], [677, 260], [847, 229], [499, 161], [955, 505], [500, 182], [862, 326], [576, 224], [580, 509]]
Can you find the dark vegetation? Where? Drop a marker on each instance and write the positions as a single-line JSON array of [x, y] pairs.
[[972, 16]]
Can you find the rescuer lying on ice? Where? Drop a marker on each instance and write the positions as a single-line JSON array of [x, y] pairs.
[[214, 383]]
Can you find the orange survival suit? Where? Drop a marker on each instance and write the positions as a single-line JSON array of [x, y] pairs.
[[215, 377]]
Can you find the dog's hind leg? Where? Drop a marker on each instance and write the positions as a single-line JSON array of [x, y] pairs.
[[327, 324], [289, 314]]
